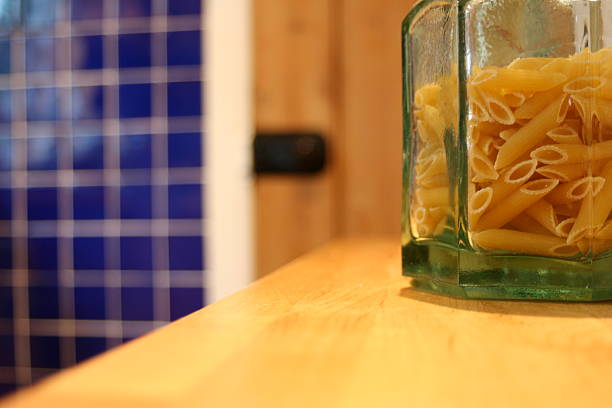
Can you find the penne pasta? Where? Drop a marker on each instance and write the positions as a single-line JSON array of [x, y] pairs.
[[516, 203], [427, 95], [478, 204], [564, 172], [543, 212], [594, 210], [562, 154], [564, 134], [564, 227], [481, 165], [525, 223], [531, 134], [525, 242], [575, 190], [537, 103], [521, 79], [434, 197], [605, 232]]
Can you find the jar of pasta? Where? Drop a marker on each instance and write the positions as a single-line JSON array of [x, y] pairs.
[[508, 148]]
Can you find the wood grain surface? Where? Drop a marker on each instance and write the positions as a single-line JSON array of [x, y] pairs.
[[342, 328]]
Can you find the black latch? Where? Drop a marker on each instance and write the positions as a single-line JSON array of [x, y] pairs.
[[289, 153]]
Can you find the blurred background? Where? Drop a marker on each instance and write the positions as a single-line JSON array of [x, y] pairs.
[[128, 196]]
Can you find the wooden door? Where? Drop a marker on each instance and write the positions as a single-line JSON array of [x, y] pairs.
[[332, 66]]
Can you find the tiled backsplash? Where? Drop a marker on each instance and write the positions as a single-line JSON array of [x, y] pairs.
[[101, 176]]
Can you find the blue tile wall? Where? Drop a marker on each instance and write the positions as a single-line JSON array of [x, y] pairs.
[[101, 190]]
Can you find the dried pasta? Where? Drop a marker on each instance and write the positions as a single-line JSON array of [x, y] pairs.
[[539, 156]]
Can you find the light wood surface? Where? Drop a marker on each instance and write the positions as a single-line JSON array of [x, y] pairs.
[[342, 328]]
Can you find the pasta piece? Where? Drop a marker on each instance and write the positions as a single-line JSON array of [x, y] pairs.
[[426, 134], [433, 166], [564, 227], [605, 232], [433, 119], [512, 180], [439, 180], [516, 241], [600, 245], [516, 203], [571, 69], [530, 135], [564, 134], [530, 63], [562, 154], [585, 85], [507, 133], [568, 210], [478, 204], [542, 211], [434, 197], [537, 103], [603, 111], [525, 223], [521, 79], [594, 211], [575, 190], [498, 110], [514, 99], [427, 95], [564, 172], [481, 165]]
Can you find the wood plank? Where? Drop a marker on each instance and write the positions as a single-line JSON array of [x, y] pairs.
[[295, 90], [371, 154], [342, 328]]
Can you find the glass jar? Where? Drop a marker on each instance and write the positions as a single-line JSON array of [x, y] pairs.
[[508, 148]]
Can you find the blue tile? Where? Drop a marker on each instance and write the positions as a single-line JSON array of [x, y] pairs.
[[42, 204], [134, 50], [6, 154], [6, 253], [136, 202], [185, 201], [6, 205], [184, 301], [88, 52], [40, 54], [42, 153], [88, 253], [137, 303], [186, 253], [90, 303], [42, 104], [136, 253], [88, 102], [45, 351], [88, 203], [184, 99], [135, 152], [5, 56], [88, 152], [7, 351], [40, 14], [184, 150], [87, 347], [179, 7], [6, 306], [44, 302], [87, 10], [135, 100], [184, 48], [42, 253], [134, 8], [5, 106]]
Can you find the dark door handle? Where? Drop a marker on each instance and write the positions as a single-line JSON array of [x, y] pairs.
[[289, 153]]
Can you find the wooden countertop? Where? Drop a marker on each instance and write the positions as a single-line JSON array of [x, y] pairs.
[[341, 328]]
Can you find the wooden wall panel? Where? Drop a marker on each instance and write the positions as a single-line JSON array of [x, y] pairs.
[[371, 156], [295, 61]]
